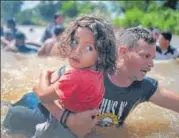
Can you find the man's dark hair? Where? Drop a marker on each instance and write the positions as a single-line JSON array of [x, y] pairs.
[[57, 15], [167, 35], [130, 36]]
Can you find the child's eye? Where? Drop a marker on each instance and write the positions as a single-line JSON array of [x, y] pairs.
[[89, 48]]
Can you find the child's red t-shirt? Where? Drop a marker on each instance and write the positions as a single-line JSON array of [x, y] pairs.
[[80, 90]]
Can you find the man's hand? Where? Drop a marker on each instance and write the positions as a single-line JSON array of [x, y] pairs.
[[82, 123]]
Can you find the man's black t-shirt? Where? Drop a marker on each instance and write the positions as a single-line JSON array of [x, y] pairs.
[[119, 101]]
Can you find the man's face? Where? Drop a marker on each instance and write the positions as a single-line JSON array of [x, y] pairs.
[[59, 20], [163, 42], [140, 60]]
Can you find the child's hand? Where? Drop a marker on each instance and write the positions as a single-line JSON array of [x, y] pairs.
[[44, 89], [54, 77], [44, 82]]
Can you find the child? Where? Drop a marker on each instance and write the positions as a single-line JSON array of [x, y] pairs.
[[89, 46]]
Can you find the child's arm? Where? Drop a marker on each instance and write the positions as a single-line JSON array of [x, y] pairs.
[[45, 90]]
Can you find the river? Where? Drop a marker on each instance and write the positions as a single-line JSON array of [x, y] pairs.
[[19, 73]]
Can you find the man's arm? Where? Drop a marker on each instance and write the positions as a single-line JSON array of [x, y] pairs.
[[46, 48], [79, 123], [42, 50], [166, 99], [11, 49], [4, 42]]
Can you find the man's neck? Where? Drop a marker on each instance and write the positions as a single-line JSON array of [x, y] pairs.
[[121, 78]]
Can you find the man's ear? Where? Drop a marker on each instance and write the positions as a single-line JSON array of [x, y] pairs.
[[123, 50]]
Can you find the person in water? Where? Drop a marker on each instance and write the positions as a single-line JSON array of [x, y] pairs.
[[11, 24], [124, 90], [7, 39], [45, 50], [164, 50], [20, 46], [58, 19]]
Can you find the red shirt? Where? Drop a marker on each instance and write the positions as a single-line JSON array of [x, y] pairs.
[[80, 90]]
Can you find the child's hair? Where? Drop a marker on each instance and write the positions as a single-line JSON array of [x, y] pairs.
[[104, 41]]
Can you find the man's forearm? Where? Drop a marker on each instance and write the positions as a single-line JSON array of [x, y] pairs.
[[166, 99], [55, 109]]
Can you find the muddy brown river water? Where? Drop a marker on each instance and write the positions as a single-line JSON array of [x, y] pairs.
[[19, 73]]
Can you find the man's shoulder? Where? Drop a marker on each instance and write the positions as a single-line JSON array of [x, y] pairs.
[[173, 47], [50, 26], [49, 41], [147, 81], [148, 87], [173, 50]]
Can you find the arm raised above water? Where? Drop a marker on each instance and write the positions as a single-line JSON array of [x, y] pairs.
[[166, 99]]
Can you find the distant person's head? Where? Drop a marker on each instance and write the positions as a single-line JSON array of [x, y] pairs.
[[155, 33], [58, 18], [20, 39], [9, 35], [58, 30], [164, 39], [11, 24]]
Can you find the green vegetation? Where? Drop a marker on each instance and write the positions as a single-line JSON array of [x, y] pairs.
[[153, 15]]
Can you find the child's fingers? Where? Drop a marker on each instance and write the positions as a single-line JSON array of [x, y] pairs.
[[49, 73], [45, 77]]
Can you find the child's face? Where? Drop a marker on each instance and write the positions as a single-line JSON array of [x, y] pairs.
[[84, 54]]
